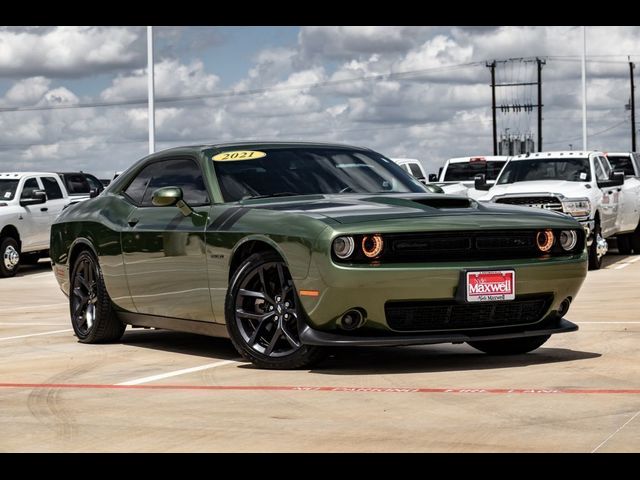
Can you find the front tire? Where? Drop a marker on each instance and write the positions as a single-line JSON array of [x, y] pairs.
[[624, 244], [510, 346], [92, 315], [262, 311], [9, 257], [595, 258]]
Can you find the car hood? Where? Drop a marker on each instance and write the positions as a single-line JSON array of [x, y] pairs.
[[543, 187], [355, 209]]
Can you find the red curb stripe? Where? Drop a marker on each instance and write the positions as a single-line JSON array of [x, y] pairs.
[[543, 391]]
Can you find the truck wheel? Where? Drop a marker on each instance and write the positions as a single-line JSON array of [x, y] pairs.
[[624, 244], [635, 240], [9, 256], [595, 254]]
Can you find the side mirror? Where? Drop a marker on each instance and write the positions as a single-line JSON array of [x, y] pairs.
[[37, 197], [616, 178], [433, 177], [168, 196], [94, 192], [480, 182]]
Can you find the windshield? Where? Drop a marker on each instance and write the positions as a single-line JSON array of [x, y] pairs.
[[8, 189], [466, 171], [622, 163], [305, 171], [569, 169]]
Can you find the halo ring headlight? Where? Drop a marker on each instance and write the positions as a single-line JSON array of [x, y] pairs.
[[568, 239], [372, 245], [544, 240], [343, 247]]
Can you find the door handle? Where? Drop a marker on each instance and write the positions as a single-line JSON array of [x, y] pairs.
[[133, 222], [44, 209]]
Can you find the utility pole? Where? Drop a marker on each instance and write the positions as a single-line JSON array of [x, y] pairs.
[[540, 63], [584, 88], [150, 91], [633, 108], [492, 66]]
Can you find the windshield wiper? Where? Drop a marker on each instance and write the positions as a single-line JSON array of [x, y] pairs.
[[277, 194]]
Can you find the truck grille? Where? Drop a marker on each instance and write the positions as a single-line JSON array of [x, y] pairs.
[[548, 203], [448, 315]]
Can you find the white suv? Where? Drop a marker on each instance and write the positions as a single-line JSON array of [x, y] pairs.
[[580, 184], [458, 174], [29, 203]]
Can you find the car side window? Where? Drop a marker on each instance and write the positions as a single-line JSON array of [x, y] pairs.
[[600, 175], [415, 170], [30, 186], [606, 166], [183, 173], [94, 183], [51, 187], [137, 187], [76, 183]]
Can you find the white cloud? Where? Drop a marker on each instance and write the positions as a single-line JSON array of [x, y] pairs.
[[69, 51]]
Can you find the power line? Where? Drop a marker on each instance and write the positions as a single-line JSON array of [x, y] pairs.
[[591, 134], [241, 93]]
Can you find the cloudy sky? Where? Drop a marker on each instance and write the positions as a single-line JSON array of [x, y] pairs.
[[419, 92]]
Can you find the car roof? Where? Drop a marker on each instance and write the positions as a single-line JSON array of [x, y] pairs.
[[23, 174], [406, 160], [559, 153], [621, 154], [265, 145], [492, 158]]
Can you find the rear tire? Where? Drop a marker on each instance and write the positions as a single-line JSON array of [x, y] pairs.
[[510, 346], [92, 315], [9, 256], [624, 244], [262, 311]]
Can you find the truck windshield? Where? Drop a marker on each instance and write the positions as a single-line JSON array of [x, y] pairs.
[[311, 170], [622, 163], [8, 189], [466, 171], [568, 169]]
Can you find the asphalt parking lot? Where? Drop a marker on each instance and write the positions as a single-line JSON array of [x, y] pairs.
[[175, 392]]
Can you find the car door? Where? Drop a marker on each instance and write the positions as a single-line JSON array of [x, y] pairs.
[[629, 200], [610, 197], [164, 250], [30, 219], [55, 199]]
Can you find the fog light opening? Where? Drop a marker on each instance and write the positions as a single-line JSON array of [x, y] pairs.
[[352, 319], [564, 307]]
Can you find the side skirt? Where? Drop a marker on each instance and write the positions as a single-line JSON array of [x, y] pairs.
[[177, 324]]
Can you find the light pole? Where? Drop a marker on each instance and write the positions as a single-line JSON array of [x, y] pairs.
[[150, 91]]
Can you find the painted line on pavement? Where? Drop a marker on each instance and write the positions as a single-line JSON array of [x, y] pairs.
[[614, 433], [12, 309], [175, 373], [35, 334], [493, 391], [28, 324]]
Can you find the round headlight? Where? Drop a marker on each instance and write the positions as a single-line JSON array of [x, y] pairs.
[[372, 245], [544, 240], [568, 239], [343, 247]]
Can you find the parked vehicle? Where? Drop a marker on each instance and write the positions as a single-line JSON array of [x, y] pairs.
[[80, 185], [629, 163], [29, 202], [457, 176], [414, 168], [287, 248], [580, 184]]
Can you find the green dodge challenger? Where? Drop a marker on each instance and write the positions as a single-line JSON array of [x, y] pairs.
[[289, 248]]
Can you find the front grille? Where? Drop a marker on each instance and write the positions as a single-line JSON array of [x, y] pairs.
[[548, 203], [448, 315], [454, 246]]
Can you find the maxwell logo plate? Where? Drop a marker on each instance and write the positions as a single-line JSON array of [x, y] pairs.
[[491, 286]]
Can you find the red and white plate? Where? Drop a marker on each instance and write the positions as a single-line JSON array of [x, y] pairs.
[[491, 286]]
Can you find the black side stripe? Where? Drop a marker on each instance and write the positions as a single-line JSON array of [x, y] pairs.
[[228, 219]]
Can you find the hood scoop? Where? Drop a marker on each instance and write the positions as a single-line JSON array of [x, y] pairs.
[[442, 203]]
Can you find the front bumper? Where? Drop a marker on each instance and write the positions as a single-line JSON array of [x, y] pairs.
[[310, 336], [370, 287], [589, 226]]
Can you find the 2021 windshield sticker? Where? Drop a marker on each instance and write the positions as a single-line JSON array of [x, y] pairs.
[[238, 155]]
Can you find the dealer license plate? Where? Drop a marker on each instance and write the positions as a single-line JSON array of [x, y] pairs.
[[491, 286]]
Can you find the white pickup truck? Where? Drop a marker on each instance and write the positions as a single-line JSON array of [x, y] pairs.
[[29, 203], [580, 184], [457, 175]]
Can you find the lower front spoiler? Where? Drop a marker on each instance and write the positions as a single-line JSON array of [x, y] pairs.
[[309, 336]]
